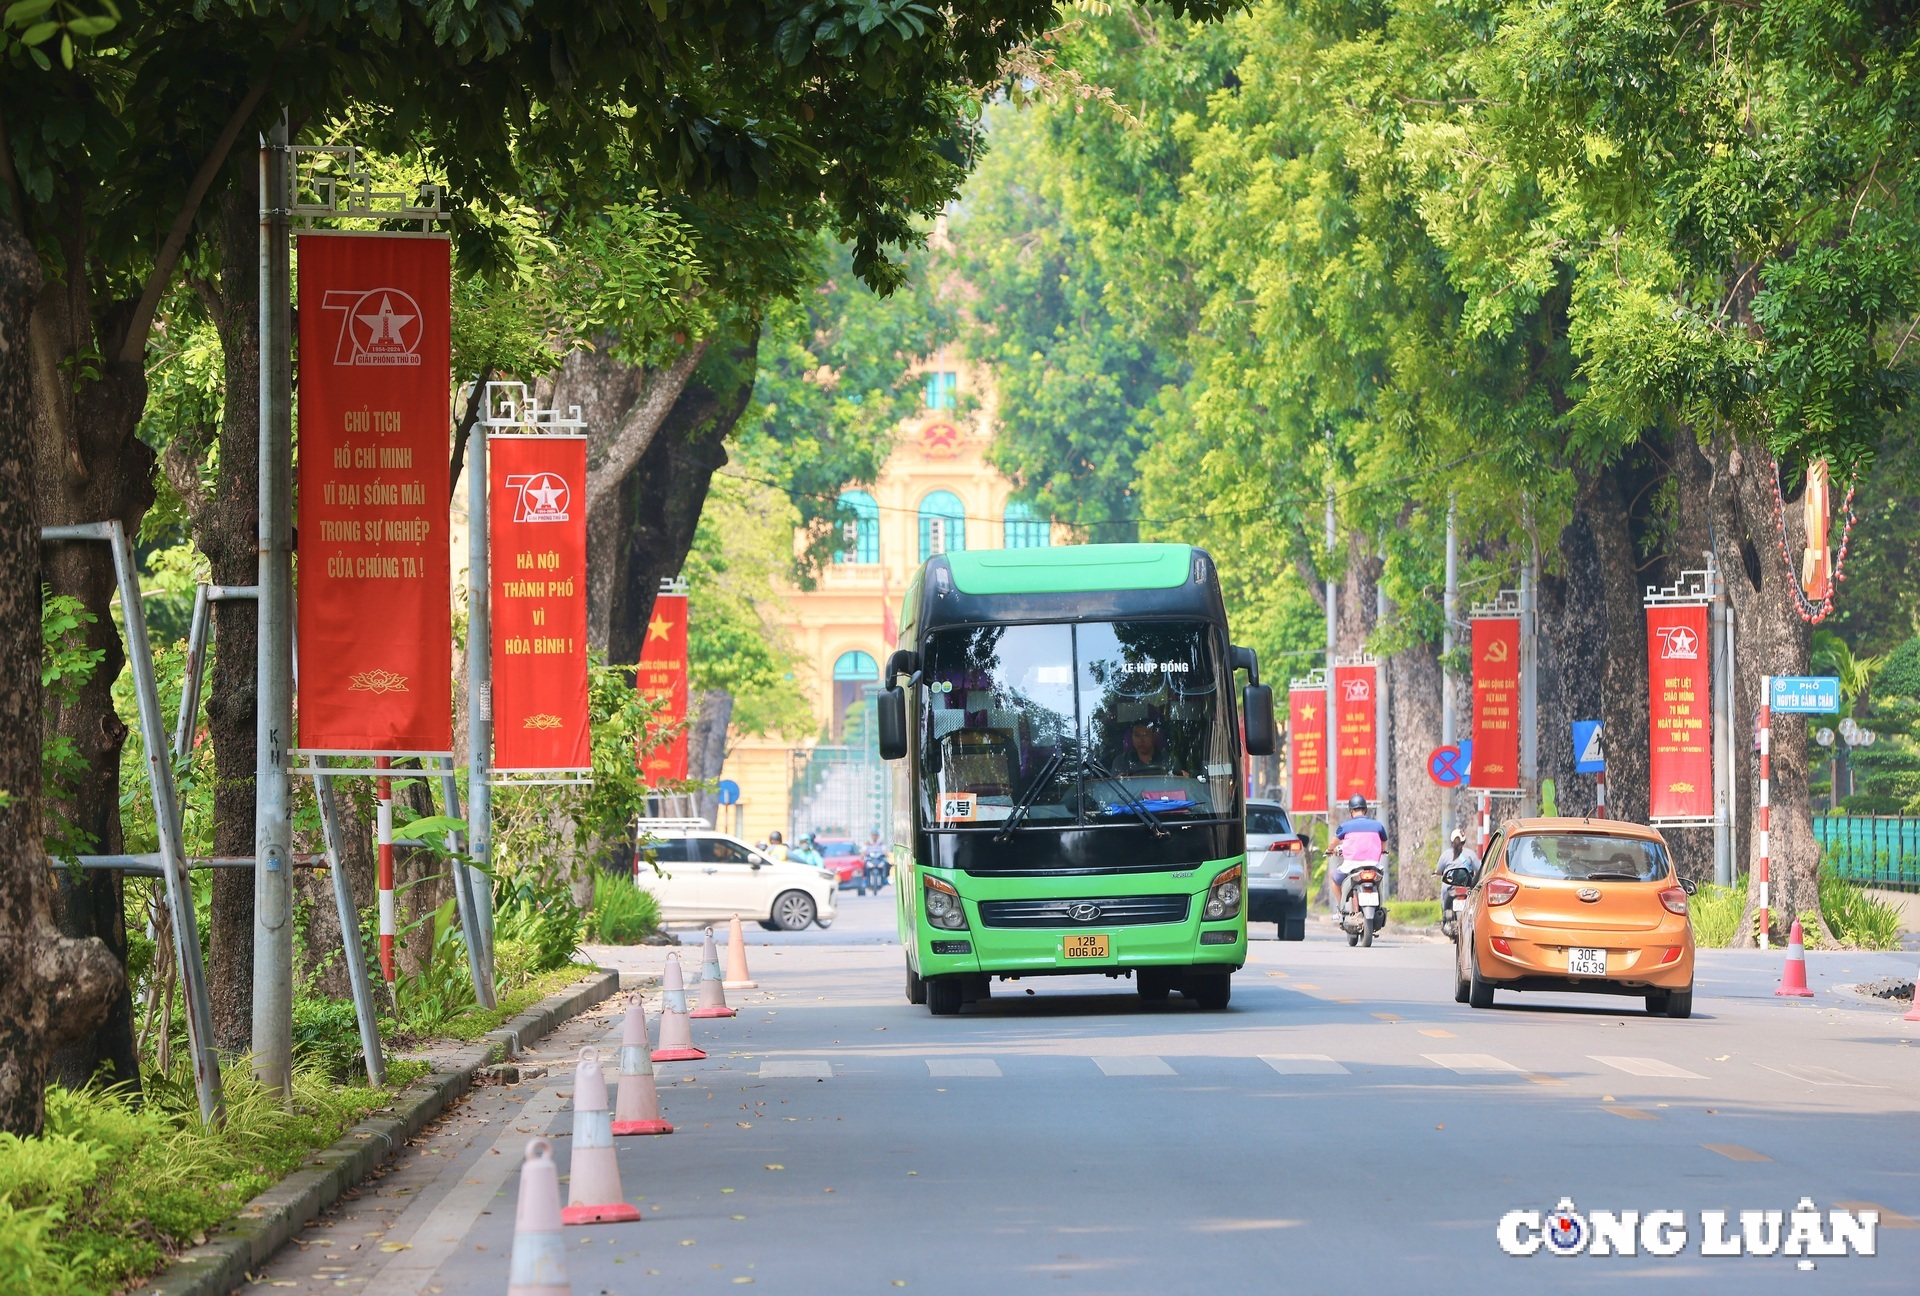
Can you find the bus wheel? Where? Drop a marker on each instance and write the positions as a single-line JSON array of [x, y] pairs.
[[1154, 985], [943, 996], [1211, 990]]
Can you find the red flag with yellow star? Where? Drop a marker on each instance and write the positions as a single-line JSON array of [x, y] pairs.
[[663, 674], [1306, 750]]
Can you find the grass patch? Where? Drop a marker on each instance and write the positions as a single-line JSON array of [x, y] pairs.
[[1414, 913], [111, 1190], [475, 1022], [1715, 912], [1855, 919], [622, 913]]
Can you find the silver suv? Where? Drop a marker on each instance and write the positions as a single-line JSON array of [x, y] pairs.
[[1276, 870]]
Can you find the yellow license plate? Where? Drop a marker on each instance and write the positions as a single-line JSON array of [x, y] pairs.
[[1084, 947]]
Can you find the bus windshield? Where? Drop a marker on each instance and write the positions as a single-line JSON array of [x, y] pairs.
[[1093, 723]]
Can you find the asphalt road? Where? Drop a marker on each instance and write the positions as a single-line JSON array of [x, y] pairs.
[[1344, 1126]]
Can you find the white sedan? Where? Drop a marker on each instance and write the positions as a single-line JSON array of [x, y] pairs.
[[709, 877]]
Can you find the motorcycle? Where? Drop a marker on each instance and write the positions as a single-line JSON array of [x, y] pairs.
[[1363, 910], [1454, 885]]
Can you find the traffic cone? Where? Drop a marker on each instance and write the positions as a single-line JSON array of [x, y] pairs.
[[1793, 981], [636, 1108], [713, 994], [1913, 1013], [738, 978], [539, 1265], [593, 1186], [676, 1033]]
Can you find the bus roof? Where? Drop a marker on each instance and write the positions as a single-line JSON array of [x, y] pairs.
[[1071, 569]]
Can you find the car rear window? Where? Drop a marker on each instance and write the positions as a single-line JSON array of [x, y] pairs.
[[1270, 820], [1586, 857]]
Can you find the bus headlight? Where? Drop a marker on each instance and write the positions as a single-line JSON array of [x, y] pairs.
[[1223, 897], [943, 906]]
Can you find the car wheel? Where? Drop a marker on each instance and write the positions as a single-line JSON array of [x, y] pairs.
[[943, 996], [1479, 989], [1680, 1003], [1461, 986], [1294, 928], [793, 911], [1657, 1003], [1211, 990], [770, 926], [1154, 985], [916, 986]]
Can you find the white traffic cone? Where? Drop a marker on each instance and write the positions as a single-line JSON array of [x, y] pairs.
[[539, 1265], [593, 1183], [738, 978], [676, 1033], [636, 1107], [713, 993]]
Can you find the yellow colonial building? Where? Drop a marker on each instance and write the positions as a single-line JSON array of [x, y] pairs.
[[936, 493]]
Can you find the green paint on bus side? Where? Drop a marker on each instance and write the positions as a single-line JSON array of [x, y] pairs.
[[1071, 569]]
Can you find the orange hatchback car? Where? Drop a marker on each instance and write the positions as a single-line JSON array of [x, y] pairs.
[[1587, 905]]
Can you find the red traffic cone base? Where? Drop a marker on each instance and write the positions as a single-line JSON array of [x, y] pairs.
[[611, 1213], [622, 1128], [1793, 978]]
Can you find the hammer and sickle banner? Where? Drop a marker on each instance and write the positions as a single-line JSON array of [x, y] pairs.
[[1496, 694], [1355, 711], [1306, 750], [663, 674], [375, 610], [1679, 712], [537, 526]]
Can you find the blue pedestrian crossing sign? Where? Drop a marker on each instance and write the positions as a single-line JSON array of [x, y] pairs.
[[1586, 748], [1805, 694]]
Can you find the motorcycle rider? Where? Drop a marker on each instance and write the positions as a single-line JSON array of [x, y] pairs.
[[1363, 840], [1455, 854]]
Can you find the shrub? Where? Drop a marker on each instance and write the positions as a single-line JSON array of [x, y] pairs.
[[1716, 914], [1856, 919], [623, 914], [538, 917], [1414, 913]]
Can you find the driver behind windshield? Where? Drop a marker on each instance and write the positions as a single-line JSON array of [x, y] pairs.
[[1144, 751]]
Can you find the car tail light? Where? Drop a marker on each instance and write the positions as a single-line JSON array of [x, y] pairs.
[[1675, 900], [1671, 956], [1501, 945], [1293, 845], [1501, 890]]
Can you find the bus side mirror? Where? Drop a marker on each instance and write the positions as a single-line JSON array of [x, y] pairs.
[[892, 708], [1256, 714], [903, 661]]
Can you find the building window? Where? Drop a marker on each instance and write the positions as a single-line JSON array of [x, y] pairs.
[[853, 672], [940, 390], [1027, 529], [943, 524], [860, 534]]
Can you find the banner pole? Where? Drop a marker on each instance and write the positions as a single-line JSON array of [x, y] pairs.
[[1530, 685], [479, 698], [1763, 868], [1720, 680], [464, 894], [1449, 608], [363, 1010], [383, 841], [1331, 756], [272, 832]]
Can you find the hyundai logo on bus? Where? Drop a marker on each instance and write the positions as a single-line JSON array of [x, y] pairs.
[[1083, 912], [1804, 1231]]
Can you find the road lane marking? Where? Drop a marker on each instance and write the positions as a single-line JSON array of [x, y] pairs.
[[1302, 985], [1630, 1113], [796, 1069], [1439, 1034], [1388, 1016], [1134, 1066], [942, 1067], [1734, 1152], [1650, 1067], [1817, 1075], [1469, 1063], [1243, 1225], [447, 1223], [1889, 1219], [1546, 1079], [1303, 1064]]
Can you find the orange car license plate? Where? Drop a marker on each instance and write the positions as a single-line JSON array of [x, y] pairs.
[[1586, 962], [1084, 947]]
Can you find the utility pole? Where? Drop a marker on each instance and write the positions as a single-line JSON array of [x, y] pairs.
[[1333, 647], [1721, 681], [479, 695], [272, 826], [1530, 683], [1382, 714], [1449, 607]]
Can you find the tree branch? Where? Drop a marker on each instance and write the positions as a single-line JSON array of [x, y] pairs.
[[465, 429], [630, 440]]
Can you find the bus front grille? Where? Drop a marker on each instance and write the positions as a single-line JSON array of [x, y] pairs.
[[1116, 911]]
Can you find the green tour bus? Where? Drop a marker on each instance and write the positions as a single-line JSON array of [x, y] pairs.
[[1068, 780]]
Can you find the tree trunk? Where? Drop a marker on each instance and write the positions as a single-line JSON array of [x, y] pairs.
[[707, 744], [90, 467], [54, 987], [1733, 480], [1573, 640], [1415, 702], [1623, 675]]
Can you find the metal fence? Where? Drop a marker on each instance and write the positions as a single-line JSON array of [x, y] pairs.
[[1873, 850], [843, 790]]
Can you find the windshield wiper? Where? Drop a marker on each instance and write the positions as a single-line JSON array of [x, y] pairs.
[[1032, 794], [1134, 803], [1613, 877]]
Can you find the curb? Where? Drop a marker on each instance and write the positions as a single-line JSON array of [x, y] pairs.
[[220, 1264]]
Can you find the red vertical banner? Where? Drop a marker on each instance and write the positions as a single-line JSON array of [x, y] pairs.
[[1496, 704], [663, 674], [1306, 751], [1355, 717], [375, 611], [1679, 711], [537, 529]]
